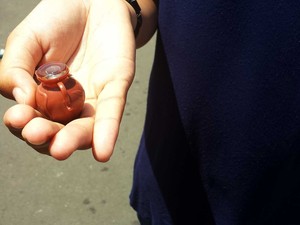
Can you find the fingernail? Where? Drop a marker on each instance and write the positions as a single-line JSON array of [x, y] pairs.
[[19, 95]]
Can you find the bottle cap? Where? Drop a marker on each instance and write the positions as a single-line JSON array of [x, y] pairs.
[[52, 72]]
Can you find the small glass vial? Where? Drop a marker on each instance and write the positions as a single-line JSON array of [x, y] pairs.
[[59, 97]]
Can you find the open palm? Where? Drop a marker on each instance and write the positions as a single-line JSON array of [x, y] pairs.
[[96, 40]]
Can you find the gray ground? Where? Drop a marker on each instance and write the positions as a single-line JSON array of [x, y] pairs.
[[37, 190]]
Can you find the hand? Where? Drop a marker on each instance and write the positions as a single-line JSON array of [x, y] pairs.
[[95, 38]]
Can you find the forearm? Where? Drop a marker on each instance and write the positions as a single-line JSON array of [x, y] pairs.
[[149, 24]]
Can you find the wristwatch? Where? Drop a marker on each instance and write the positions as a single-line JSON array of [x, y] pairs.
[[137, 9]]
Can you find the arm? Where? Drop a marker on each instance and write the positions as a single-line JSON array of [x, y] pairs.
[[95, 38]]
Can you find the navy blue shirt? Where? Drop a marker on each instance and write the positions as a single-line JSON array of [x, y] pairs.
[[221, 143]]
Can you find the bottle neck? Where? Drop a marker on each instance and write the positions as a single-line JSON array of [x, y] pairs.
[[54, 83]]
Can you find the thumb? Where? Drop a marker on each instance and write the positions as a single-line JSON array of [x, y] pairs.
[[18, 84], [17, 68]]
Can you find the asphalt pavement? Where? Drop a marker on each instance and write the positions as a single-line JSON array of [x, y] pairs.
[[38, 190]]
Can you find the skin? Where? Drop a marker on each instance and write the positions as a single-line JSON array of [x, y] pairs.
[[95, 39]]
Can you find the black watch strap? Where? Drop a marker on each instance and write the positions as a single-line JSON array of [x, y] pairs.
[[137, 9]]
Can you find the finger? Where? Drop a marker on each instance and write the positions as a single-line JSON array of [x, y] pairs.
[[16, 117], [39, 131], [75, 135], [57, 140], [22, 54], [110, 107], [16, 83]]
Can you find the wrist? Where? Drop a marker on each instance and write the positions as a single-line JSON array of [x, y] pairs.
[[136, 15]]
